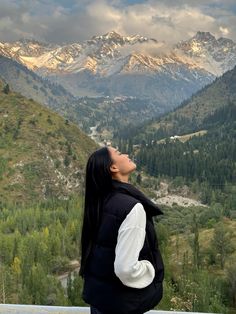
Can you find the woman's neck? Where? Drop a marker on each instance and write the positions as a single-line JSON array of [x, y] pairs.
[[120, 178]]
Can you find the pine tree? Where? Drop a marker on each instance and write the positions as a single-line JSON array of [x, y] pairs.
[[6, 89], [222, 243], [195, 246], [139, 178]]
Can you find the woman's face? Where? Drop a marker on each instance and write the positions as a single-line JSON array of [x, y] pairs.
[[122, 165]]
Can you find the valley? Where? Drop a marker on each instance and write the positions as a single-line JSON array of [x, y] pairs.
[[172, 111]]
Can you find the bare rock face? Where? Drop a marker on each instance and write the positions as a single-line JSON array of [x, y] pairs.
[[214, 55]]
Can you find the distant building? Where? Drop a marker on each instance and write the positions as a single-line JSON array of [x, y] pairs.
[[174, 137]]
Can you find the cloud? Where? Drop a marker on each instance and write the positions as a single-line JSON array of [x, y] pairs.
[[77, 20], [151, 48], [224, 30]]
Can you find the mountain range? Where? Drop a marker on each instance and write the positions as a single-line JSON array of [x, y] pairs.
[[115, 65], [112, 53], [138, 77]]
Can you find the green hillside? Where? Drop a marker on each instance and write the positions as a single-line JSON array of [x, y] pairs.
[[194, 114], [210, 157], [42, 155]]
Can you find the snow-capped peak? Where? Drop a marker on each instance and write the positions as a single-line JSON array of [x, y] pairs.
[[109, 35], [214, 55], [115, 38]]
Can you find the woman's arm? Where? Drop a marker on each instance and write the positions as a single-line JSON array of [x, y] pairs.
[[131, 236]]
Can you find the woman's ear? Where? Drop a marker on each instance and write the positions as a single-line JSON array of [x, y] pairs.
[[113, 168]]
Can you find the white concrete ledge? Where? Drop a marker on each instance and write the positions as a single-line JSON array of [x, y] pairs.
[[44, 309]]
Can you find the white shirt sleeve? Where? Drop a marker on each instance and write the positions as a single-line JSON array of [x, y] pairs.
[[131, 236]]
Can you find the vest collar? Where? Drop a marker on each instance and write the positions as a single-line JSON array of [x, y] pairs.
[[127, 188]]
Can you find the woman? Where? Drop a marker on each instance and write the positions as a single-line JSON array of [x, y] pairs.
[[121, 265]]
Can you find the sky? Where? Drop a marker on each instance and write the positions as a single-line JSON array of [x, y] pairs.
[[68, 21]]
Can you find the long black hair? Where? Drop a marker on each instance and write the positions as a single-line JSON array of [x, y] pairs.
[[98, 182]]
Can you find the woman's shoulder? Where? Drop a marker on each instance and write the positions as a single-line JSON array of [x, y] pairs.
[[120, 203]]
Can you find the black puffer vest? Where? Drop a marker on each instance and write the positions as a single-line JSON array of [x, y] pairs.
[[102, 288]]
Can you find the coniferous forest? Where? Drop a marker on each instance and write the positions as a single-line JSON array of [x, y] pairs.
[[37, 243], [208, 158]]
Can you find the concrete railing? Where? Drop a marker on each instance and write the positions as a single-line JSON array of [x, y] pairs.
[[43, 309]]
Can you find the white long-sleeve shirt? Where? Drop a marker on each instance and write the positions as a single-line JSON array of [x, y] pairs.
[[131, 236]]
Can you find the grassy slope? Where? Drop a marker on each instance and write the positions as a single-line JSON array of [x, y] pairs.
[[41, 154], [205, 237]]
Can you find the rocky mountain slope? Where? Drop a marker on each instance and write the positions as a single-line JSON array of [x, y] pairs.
[[112, 53], [42, 155], [33, 86], [214, 55]]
